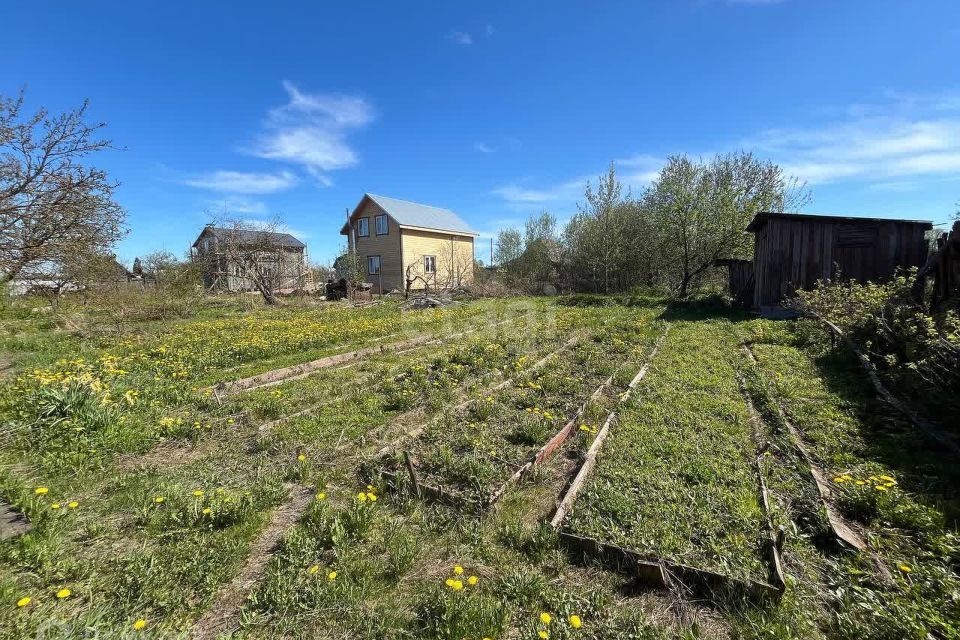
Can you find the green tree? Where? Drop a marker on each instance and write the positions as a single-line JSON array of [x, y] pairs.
[[698, 211]]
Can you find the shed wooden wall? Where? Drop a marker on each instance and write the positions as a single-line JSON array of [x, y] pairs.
[[794, 254]]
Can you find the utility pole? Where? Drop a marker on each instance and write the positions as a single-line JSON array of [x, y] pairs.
[[491, 251]]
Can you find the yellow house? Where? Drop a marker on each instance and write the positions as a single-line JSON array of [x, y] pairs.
[[400, 244]]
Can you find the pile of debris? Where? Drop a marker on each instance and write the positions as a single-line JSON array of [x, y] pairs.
[[428, 302]]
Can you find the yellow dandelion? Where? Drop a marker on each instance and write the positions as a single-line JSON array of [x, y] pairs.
[[198, 493], [140, 624], [839, 479], [159, 500], [41, 491], [63, 593], [545, 618], [362, 497], [472, 580], [880, 487], [543, 634], [457, 585], [321, 496], [905, 568], [55, 505], [575, 621], [206, 511], [458, 570], [73, 504], [449, 582], [301, 457], [313, 569], [22, 602], [332, 576]]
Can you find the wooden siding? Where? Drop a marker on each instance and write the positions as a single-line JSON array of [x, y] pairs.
[[386, 246], [454, 255], [794, 254]]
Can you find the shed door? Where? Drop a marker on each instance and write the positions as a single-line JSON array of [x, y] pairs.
[[855, 252]]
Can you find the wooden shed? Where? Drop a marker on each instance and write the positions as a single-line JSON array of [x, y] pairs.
[[793, 250]]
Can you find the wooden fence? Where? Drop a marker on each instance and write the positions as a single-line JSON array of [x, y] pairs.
[[944, 266]]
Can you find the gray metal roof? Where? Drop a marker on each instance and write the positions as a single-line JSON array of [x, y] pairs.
[[412, 214], [250, 236]]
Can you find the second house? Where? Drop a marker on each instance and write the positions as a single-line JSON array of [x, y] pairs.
[[404, 245]]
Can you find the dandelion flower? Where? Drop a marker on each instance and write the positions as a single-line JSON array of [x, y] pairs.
[[301, 457], [159, 499], [545, 618], [41, 491], [370, 487], [880, 487], [321, 496], [362, 497], [55, 505], [198, 493], [313, 569], [458, 570], [839, 479], [543, 634], [472, 580], [63, 593], [575, 621], [206, 511], [457, 585], [73, 504], [449, 582], [140, 624], [905, 568], [22, 602], [332, 576]]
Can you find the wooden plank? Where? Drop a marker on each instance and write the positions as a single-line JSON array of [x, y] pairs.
[[12, 522], [536, 366], [302, 370], [590, 460]]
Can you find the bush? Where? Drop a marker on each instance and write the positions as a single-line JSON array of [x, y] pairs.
[[894, 330]]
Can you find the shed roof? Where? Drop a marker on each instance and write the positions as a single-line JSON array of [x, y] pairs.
[[420, 216], [764, 216], [252, 236]]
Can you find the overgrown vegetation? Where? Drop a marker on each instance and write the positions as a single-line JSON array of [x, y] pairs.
[[918, 352], [140, 535]]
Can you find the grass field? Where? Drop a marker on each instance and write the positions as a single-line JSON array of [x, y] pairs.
[[160, 508]]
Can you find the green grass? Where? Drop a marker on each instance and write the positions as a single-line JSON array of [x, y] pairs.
[[675, 479], [682, 448]]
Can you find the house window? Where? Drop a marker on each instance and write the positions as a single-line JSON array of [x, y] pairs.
[[430, 264], [363, 227], [381, 225], [373, 265]]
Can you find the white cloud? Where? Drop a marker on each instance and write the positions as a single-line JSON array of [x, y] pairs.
[[638, 171], [460, 37], [311, 130], [482, 147], [243, 182], [241, 204], [900, 139]]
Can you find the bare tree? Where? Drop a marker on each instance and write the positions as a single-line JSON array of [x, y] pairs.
[[256, 254], [51, 206]]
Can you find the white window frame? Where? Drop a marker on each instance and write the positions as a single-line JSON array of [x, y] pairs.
[[386, 225], [370, 270], [363, 227], [428, 262]]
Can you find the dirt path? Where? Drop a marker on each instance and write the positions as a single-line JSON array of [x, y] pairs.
[[221, 616]]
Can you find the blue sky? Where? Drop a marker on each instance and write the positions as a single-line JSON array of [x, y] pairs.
[[492, 109]]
